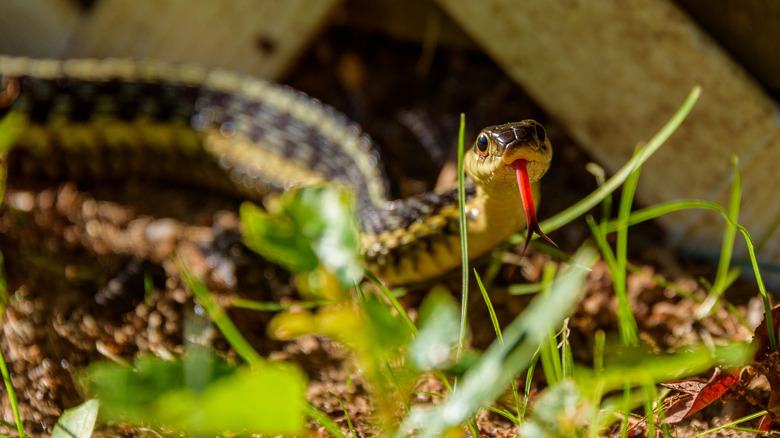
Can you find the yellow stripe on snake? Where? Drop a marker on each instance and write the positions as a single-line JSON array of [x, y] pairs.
[[115, 118]]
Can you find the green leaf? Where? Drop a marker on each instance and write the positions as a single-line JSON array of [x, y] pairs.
[[266, 399], [307, 227], [77, 422], [276, 238], [325, 216], [437, 338], [387, 330]]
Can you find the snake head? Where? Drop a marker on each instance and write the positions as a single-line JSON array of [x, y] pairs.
[[491, 161], [503, 154]]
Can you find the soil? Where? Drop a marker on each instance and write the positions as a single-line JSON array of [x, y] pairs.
[[75, 252]]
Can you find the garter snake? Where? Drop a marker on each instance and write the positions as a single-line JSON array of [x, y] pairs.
[[113, 118]]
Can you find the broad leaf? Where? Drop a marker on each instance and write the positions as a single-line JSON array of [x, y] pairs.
[[77, 422], [437, 338], [267, 399], [305, 228], [699, 394]]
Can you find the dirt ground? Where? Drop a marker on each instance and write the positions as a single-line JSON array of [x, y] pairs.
[[75, 252]]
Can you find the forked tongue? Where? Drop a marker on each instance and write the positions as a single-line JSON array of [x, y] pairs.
[[528, 204]]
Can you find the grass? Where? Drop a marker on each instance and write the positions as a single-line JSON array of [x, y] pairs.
[[464, 242], [727, 247], [616, 261], [500, 339], [12, 398], [346, 414], [10, 127]]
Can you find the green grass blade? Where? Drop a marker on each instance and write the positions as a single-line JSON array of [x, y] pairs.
[[600, 175], [11, 127], [464, 248], [551, 362], [731, 424], [627, 405], [599, 342], [566, 355], [346, 414], [323, 420], [528, 380], [220, 318], [524, 289], [590, 201], [11, 397], [490, 308], [727, 245], [649, 394], [504, 413], [397, 387], [672, 206], [627, 325], [626, 318], [497, 329]]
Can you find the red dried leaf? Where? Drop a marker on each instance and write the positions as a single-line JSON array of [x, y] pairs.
[[698, 395]]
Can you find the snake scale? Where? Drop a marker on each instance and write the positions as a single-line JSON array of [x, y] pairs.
[[118, 118]]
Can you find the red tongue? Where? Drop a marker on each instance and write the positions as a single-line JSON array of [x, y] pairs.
[[528, 204]]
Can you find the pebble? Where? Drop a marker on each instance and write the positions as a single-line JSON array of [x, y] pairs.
[[162, 230]]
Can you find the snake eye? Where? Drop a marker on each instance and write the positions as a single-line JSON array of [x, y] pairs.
[[540, 134], [482, 144]]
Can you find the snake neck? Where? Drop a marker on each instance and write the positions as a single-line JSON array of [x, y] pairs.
[[493, 216], [429, 245]]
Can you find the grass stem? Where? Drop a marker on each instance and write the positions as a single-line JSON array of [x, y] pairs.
[[464, 248]]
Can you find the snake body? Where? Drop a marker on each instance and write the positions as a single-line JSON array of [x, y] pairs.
[[119, 118]]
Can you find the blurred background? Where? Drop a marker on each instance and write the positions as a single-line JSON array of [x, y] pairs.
[[602, 76]]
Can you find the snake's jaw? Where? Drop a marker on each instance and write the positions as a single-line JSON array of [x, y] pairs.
[[536, 162]]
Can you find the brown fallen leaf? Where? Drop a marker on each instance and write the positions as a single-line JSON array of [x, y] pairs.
[[698, 393]]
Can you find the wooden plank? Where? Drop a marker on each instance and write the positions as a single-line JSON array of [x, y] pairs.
[[260, 37], [408, 20], [748, 29], [614, 71], [39, 28]]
